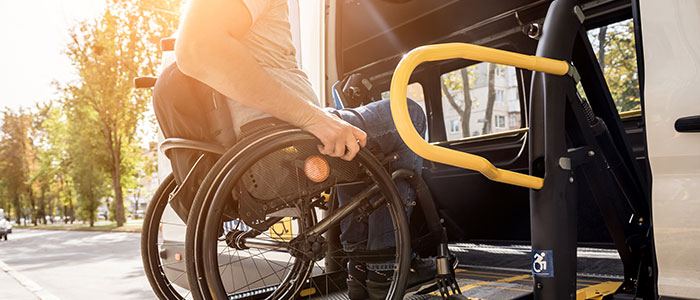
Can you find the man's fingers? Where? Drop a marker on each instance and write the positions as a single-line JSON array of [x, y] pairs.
[[339, 150], [352, 148], [327, 147], [360, 135]]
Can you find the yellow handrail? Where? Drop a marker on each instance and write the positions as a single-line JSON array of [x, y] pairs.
[[399, 106]]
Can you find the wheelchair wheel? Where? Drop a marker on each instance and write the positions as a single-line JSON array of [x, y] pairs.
[[198, 212], [260, 257], [163, 270]]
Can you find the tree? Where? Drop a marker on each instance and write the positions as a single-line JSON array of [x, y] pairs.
[[488, 115], [42, 174], [108, 54], [16, 152], [88, 160], [617, 58], [53, 173], [449, 83]]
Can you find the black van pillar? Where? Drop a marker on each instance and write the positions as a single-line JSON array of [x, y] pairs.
[[553, 211]]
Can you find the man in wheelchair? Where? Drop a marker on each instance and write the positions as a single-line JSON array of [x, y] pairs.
[[236, 64]]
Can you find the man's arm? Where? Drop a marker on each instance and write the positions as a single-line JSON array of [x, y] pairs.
[[208, 50]]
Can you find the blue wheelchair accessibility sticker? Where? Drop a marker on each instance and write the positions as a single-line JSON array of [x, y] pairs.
[[542, 263]]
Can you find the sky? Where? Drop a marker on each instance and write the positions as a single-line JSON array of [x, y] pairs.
[[33, 36]]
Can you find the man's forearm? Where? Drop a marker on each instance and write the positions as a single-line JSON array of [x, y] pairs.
[[242, 79], [208, 49]]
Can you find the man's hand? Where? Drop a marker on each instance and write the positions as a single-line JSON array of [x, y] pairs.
[[339, 138]]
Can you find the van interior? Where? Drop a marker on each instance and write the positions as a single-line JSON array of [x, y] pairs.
[[483, 108]]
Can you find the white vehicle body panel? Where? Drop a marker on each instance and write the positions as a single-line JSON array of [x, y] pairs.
[[672, 61]]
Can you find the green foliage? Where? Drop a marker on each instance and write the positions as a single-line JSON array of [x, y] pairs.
[[88, 160], [619, 63], [108, 54], [51, 139], [84, 147], [16, 160]]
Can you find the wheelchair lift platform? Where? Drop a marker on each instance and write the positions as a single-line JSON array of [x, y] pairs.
[[501, 284], [484, 283], [503, 272]]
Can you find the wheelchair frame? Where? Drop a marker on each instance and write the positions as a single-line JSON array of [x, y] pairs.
[[286, 134]]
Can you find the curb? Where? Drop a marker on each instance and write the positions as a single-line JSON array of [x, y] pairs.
[[27, 283]]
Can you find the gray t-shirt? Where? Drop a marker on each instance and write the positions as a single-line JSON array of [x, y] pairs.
[[269, 40]]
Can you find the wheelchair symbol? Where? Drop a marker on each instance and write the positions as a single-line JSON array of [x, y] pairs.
[[542, 263], [539, 264]]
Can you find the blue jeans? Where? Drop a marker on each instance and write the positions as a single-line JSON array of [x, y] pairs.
[[377, 231]]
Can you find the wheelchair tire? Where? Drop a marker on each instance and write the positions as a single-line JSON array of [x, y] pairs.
[[227, 173], [198, 212], [151, 245]]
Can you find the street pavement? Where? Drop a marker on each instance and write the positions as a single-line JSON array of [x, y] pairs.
[[48, 264]]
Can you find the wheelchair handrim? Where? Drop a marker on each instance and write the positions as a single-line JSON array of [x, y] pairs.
[[266, 146]]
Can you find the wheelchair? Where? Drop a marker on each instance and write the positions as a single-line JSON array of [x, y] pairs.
[[275, 244], [279, 238], [265, 221]]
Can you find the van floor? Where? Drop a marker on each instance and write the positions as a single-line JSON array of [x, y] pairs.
[[495, 272], [499, 272]]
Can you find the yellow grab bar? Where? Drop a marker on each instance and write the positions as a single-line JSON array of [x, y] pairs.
[[399, 106]]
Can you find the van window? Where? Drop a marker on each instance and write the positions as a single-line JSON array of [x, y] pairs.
[[414, 92], [478, 99], [617, 56]]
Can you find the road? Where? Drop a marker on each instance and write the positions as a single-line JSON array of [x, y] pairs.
[[72, 265]]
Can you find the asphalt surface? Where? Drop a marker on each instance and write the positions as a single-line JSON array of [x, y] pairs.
[[47, 264]]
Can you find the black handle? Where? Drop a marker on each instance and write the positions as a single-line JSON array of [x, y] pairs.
[[688, 124]]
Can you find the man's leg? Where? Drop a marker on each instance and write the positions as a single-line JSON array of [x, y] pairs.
[[378, 233]]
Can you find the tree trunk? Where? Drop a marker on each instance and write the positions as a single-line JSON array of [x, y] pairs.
[[33, 209], [118, 195], [18, 209], [601, 46], [488, 116], [41, 206], [136, 204], [71, 208], [92, 217], [114, 145], [467, 111], [453, 102]]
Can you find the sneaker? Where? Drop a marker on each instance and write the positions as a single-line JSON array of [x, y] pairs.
[[378, 290], [357, 290], [422, 270], [357, 276]]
